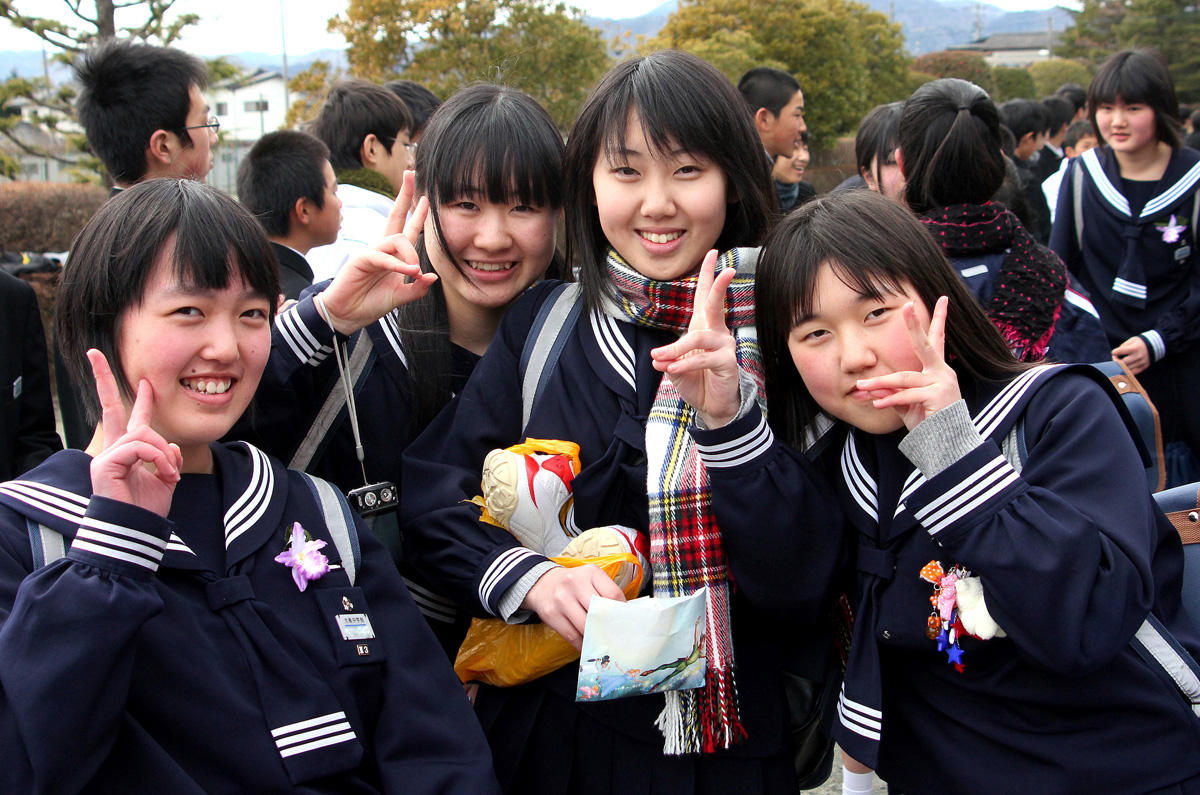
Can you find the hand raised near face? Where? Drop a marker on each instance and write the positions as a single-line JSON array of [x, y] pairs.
[[377, 280], [917, 394], [136, 465], [703, 362]]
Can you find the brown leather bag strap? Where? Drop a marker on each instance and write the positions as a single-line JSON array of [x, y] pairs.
[[1187, 522]]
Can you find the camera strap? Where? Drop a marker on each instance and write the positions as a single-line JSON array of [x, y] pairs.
[[342, 357]]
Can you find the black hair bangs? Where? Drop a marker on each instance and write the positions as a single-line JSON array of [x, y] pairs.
[[208, 238], [671, 119], [502, 167], [1138, 77], [218, 241]]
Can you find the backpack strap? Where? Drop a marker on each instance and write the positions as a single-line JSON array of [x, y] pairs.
[[338, 520], [361, 359], [1155, 644], [47, 545], [1077, 201], [544, 344]]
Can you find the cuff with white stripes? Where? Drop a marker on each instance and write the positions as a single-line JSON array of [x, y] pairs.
[[1155, 344], [510, 604], [967, 492], [744, 442], [107, 538], [501, 571], [301, 332]]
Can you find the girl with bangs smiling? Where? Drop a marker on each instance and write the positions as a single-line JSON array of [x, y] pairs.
[[489, 170], [662, 166]]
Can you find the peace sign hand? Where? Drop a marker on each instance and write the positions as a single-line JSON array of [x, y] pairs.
[[703, 362], [377, 280], [916, 395], [136, 465]]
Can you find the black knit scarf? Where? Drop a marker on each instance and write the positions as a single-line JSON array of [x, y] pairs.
[[1032, 279]]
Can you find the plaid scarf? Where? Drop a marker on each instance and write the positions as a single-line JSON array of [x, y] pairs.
[[686, 552], [1032, 279]]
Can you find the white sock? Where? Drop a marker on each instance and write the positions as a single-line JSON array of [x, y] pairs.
[[857, 783]]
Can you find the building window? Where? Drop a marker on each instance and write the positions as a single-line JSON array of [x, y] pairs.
[[222, 108], [256, 106]]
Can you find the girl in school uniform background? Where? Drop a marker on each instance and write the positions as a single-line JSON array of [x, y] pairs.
[[1007, 548], [218, 623], [661, 166], [1125, 228], [489, 170]]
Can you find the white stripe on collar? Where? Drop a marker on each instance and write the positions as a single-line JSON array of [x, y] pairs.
[[391, 330], [862, 487], [253, 502], [1091, 159], [1174, 193], [614, 346]]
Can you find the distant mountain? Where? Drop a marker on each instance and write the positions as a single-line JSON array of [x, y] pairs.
[[29, 63], [929, 25]]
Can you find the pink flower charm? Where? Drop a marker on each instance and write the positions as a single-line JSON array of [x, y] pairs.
[[1172, 230], [303, 557]]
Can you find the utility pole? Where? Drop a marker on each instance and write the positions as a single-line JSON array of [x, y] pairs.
[[978, 21], [1050, 36]]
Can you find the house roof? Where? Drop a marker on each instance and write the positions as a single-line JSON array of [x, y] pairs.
[[1010, 41]]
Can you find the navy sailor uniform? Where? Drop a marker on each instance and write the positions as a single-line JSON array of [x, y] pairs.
[[301, 385], [599, 396], [1072, 554], [1143, 280], [1142, 274], [164, 655]]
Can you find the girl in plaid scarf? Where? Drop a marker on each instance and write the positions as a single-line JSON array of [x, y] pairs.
[[662, 166]]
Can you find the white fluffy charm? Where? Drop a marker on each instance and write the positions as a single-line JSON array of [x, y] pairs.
[[973, 612]]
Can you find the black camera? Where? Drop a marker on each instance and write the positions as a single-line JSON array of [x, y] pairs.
[[375, 499]]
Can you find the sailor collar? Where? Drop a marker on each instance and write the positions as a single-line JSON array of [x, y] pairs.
[[1180, 179], [253, 487]]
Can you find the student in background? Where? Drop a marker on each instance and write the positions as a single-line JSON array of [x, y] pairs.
[[788, 174], [287, 183], [27, 432], [1030, 127], [1059, 113], [777, 108], [367, 129], [1081, 136], [420, 101], [1136, 254]]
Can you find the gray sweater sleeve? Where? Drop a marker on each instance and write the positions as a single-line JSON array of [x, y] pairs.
[[941, 439]]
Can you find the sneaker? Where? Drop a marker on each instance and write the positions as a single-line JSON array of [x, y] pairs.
[[614, 539], [529, 494]]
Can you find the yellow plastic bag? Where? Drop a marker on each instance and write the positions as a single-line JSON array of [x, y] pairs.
[[501, 654]]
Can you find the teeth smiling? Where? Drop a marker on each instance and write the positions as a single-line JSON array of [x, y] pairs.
[[654, 237], [491, 266], [207, 386]]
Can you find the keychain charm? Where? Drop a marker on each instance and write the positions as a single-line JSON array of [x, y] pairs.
[[943, 624]]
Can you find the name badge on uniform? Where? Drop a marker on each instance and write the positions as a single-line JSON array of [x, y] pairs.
[[355, 626], [1182, 253], [17, 386]]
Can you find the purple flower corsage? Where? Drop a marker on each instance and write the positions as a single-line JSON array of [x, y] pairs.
[[304, 558]]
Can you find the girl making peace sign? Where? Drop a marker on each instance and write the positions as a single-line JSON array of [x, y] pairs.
[[1007, 548], [180, 615]]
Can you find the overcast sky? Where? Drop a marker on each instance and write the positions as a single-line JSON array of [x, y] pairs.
[[229, 26]]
